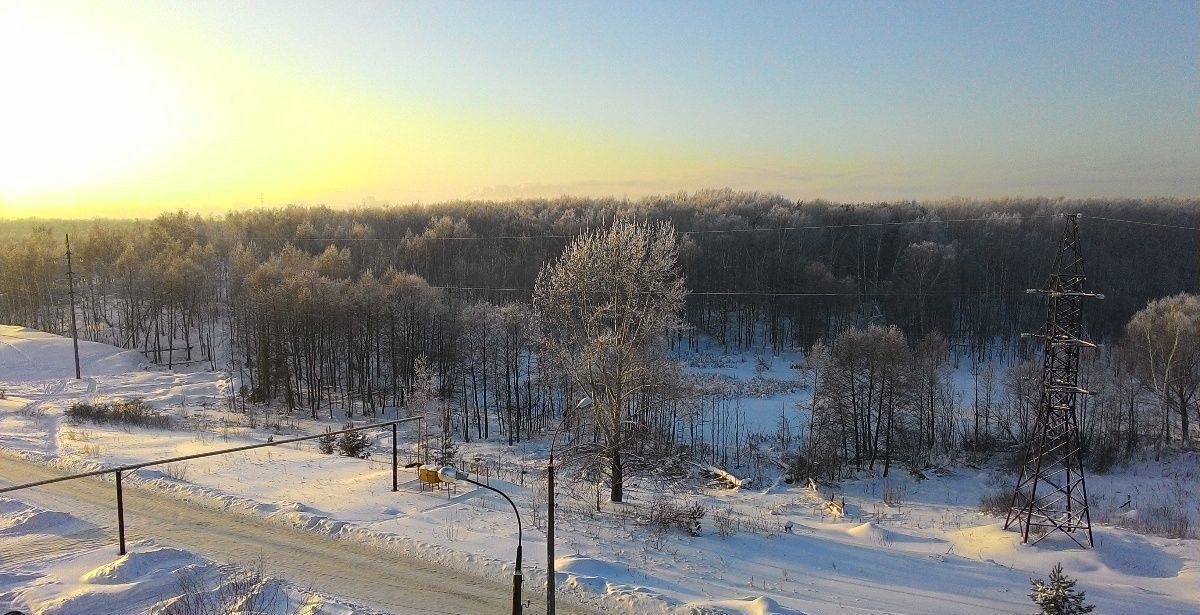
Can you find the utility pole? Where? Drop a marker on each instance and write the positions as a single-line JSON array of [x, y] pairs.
[[71, 292], [550, 533], [1051, 494], [583, 405]]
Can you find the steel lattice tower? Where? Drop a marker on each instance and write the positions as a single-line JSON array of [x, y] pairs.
[[1051, 492]]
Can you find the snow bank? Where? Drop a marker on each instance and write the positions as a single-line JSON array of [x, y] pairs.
[[34, 521], [131, 566], [758, 605], [76, 579]]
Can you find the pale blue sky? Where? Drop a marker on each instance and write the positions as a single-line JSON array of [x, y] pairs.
[[842, 100]]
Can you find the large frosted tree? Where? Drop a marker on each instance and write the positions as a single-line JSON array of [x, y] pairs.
[[1162, 349], [604, 310]]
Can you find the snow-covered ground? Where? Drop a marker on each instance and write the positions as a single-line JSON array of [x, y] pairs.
[[56, 564], [933, 553]]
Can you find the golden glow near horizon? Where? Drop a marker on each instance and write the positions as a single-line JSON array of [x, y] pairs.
[[79, 109], [118, 110], [102, 128], [113, 130]]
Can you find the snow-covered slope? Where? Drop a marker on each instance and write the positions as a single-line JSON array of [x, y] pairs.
[[932, 554], [26, 354]]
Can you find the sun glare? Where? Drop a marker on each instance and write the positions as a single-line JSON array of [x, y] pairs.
[[78, 108]]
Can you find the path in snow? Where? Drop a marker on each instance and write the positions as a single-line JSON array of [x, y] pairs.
[[374, 577]]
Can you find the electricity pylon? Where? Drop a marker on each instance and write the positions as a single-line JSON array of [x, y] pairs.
[[1051, 493]]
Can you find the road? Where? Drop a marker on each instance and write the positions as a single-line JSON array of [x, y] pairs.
[[371, 576]]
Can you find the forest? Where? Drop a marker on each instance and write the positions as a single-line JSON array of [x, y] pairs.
[[357, 310]]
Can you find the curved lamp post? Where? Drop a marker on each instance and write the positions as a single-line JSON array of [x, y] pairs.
[[583, 404], [449, 474]]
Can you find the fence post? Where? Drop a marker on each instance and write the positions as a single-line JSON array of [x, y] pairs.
[[395, 462], [120, 515]]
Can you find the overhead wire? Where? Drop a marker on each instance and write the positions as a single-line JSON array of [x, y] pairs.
[[686, 233], [772, 229], [1139, 222], [754, 293]]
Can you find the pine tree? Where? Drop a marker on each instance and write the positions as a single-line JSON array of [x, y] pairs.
[[326, 442], [1058, 597], [354, 444]]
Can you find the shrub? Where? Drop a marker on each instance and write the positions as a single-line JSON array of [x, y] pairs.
[[176, 471], [761, 365], [726, 522], [248, 592], [893, 495], [1100, 459], [666, 514], [1162, 520], [995, 501], [126, 412]]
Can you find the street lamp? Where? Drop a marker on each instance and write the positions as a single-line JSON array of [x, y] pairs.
[[583, 404], [448, 474]]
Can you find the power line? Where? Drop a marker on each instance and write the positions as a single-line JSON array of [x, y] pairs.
[[774, 229], [864, 224], [764, 293], [1160, 225]]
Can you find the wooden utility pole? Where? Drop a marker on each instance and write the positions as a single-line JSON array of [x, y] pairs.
[[71, 292]]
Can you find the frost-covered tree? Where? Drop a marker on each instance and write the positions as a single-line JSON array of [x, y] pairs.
[[1058, 596], [1162, 349], [604, 310], [861, 400]]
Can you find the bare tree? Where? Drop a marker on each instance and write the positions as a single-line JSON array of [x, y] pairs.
[[920, 267], [604, 309]]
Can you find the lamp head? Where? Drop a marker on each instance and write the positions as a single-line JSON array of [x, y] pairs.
[[449, 474]]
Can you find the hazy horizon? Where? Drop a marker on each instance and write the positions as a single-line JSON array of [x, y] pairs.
[[87, 215]]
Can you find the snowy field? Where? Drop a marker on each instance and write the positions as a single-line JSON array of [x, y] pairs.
[[926, 550]]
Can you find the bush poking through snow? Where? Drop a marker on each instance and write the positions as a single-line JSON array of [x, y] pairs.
[[996, 501], [1058, 596], [686, 516], [126, 412], [354, 444], [893, 495], [1164, 520], [176, 471], [725, 521], [245, 592]]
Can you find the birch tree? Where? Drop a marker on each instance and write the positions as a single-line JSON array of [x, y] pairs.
[[1162, 349]]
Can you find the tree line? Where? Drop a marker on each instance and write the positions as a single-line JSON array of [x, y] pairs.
[[958, 267], [361, 310]]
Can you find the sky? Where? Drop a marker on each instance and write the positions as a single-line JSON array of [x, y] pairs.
[[119, 109]]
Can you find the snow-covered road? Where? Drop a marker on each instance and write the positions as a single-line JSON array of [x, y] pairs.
[[373, 577]]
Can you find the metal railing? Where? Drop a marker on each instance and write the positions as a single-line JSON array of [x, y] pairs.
[[119, 470]]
